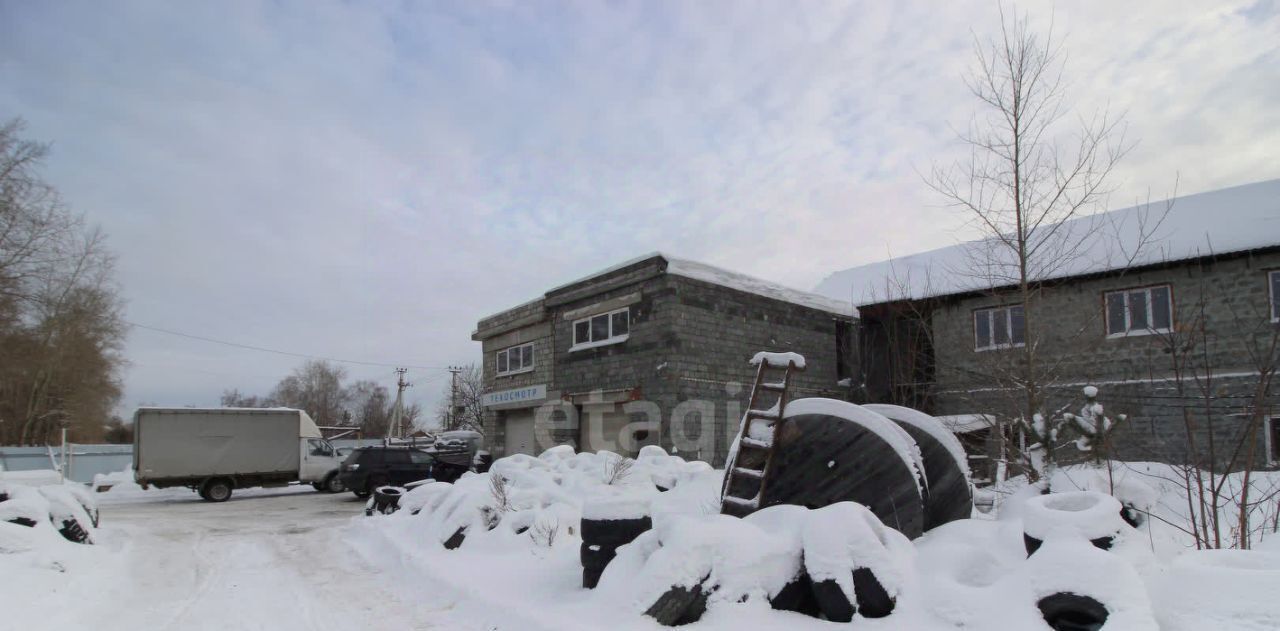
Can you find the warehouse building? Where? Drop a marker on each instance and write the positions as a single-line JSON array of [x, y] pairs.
[[652, 351]]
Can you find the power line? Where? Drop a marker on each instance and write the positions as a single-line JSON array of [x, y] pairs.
[[276, 351]]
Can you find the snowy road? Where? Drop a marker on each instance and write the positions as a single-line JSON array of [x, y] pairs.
[[263, 560]]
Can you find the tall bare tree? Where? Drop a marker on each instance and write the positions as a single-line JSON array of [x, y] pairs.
[[60, 324], [315, 386], [1034, 178], [370, 407]]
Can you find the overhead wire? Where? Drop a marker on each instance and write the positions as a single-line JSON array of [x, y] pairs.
[[263, 349]]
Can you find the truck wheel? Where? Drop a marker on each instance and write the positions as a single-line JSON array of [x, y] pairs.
[[333, 484], [319, 486], [217, 490]]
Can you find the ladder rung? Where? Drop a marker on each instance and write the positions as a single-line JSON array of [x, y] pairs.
[[749, 503], [768, 415], [751, 442], [750, 473], [778, 386]]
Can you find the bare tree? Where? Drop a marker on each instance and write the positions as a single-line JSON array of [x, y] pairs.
[[466, 392], [1223, 415], [60, 325], [370, 407], [1031, 184], [316, 387]]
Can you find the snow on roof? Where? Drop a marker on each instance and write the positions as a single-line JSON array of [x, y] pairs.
[[733, 280], [752, 285], [1223, 221]]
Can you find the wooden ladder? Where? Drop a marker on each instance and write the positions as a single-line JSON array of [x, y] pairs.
[[747, 471]]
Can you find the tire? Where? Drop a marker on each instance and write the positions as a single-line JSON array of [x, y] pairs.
[[319, 486], [1072, 612], [72, 531], [386, 499], [614, 532], [591, 578], [455, 540], [595, 556], [832, 601], [679, 605], [217, 490], [797, 596], [873, 600], [333, 484]]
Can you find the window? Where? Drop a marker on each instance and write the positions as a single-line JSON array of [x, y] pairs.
[[420, 457], [1272, 439], [999, 327], [1139, 311], [602, 329], [516, 359], [1273, 282], [320, 447]]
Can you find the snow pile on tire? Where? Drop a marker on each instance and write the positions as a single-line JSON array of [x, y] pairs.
[[537, 499], [33, 516], [520, 562], [690, 564]]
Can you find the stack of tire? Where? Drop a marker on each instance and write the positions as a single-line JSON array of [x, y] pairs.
[[604, 529], [72, 513], [1080, 519]]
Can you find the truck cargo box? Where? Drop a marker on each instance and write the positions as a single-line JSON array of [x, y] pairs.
[[188, 443]]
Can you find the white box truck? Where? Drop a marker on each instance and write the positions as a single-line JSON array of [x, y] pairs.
[[215, 450]]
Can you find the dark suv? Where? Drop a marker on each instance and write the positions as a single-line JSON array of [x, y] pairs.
[[368, 468]]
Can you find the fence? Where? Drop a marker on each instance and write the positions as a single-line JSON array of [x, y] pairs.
[[82, 461], [85, 461]]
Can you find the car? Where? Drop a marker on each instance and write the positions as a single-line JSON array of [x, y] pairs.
[[368, 468]]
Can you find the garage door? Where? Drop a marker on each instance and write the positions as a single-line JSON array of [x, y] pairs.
[[519, 432]]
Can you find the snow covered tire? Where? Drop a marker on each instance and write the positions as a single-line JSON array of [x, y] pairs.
[[591, 577], [797, 596], [832, 601], [614, 532], [1072, 612], [596, 556], [679, 605], [455, 540], [73, 532], [873, 600], [386, 499]]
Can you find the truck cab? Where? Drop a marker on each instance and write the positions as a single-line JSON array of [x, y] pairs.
[[319, 465]]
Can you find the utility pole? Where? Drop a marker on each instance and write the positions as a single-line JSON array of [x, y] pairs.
[[453, 396], [397, 414]]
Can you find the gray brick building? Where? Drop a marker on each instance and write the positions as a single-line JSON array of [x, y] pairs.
[[1179, 339], [652, 351]]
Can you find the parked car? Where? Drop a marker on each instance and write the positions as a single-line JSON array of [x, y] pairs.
[[368, 468]]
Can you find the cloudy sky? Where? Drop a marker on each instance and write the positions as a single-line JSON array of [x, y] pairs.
[[365, 180]]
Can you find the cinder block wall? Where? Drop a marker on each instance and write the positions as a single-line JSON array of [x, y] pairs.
[[1134, 374]]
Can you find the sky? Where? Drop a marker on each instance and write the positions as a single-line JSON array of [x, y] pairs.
[[366, 180]]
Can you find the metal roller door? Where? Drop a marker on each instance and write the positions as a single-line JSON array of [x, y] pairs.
[[519, 432]]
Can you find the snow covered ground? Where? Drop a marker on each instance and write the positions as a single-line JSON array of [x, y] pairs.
[[266, 559], [297, 559]]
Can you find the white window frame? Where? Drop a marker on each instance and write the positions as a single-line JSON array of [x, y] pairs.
[[507, 352], [1008, 322], [610, 339], [1273, 298], [1128, 326]]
